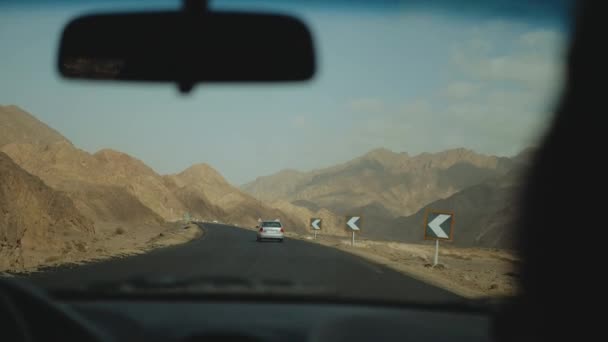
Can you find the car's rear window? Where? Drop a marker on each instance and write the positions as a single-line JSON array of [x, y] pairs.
[[271, 224]]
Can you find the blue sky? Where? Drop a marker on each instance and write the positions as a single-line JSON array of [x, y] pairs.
[[410, 81]]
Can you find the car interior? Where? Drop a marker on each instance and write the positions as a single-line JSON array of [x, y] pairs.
[[557, 292]]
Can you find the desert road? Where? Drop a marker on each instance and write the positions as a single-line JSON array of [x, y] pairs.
[[226, 251]]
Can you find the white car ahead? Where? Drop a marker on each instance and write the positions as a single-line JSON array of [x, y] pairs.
[[270, 230]]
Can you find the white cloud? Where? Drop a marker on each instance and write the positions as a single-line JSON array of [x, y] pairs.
[[496, 98], [503, 123], [461, 89], [534, 60], [518, 80], [499, 101]]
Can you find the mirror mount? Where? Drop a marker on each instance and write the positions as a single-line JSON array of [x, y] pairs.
[[195, 6], [193, 9]]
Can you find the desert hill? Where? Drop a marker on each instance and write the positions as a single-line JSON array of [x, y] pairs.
[[36, 220]]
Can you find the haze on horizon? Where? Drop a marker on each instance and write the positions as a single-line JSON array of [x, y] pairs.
[[482, 84]]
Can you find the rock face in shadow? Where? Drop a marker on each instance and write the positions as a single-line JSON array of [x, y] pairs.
[[392, 191], [400, 183], [485, 216]]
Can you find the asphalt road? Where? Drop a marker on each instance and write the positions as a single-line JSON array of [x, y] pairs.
[[229, 251]]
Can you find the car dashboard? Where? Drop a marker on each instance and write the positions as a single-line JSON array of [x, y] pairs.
[[217, 320], [31, 314]]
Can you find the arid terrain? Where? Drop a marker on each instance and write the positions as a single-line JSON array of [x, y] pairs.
[[232, 205], [469, 272], [113, 241], [400, 182], [392, 191], [61, 204], [42, 227], [36, 221]]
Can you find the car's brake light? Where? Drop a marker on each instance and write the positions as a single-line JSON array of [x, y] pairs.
[[282, 230]]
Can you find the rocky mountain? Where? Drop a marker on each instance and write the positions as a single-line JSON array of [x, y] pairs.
[[53, 195], [139, 180], [400, 183], [18, 126], [111, 186], [280, 185], [106, 186], [111, 204], [392, 192], [95, 187], [485, 214], [194, 201], [209, 182], [36, 220], [238, 207]]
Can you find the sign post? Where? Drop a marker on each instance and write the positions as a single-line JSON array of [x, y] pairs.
[[315, 224], [436, 253], [438, 225], [353, 223]]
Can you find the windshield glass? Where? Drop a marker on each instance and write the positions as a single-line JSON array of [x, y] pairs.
[[395, 170], [271, 224]]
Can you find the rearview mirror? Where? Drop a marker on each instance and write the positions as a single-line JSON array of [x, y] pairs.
[[187, 48]]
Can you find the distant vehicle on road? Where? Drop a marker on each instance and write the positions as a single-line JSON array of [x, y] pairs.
[[214, 221], [270, 230]]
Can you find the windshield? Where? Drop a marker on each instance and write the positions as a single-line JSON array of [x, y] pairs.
[[395, 171], [271, 224]]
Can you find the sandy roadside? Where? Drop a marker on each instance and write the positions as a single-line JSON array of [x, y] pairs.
[[114, 240], [144, 238], [469, 272]]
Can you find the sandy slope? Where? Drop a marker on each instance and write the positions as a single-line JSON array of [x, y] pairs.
[[35, 220], [113, 240]]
